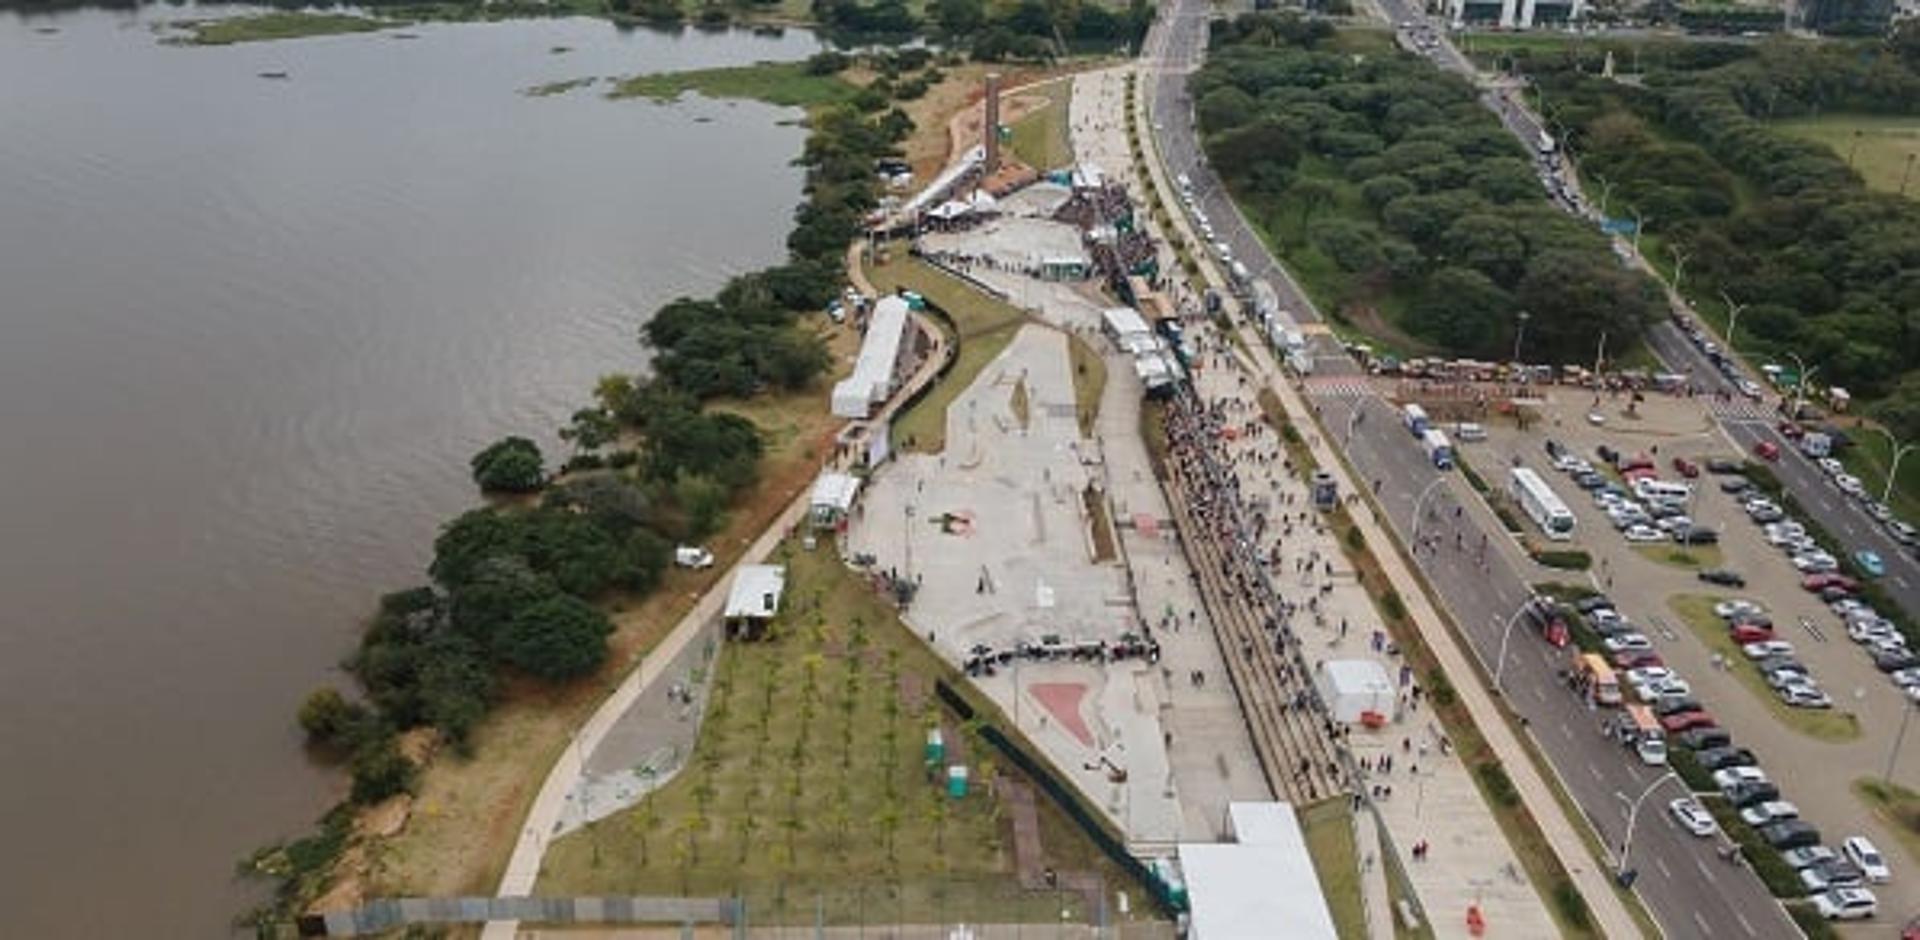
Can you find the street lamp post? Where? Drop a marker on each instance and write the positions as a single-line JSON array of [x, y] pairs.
[[1899, 737], [1800, 385], [1893, 467], [1733, 315], [1606, 192], [1907, 173], [1679, 266], [1519, 333], [1633, 815], [1500, 664], [1353, 418]]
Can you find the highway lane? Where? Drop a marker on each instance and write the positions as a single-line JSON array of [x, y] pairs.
[[1688, 889], [1691, 892]]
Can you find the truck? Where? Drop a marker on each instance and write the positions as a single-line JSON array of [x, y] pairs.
[[1816, 444], [1546, 145], [1637, 728], [1239, 271], [1438, 448], [1415, 418]]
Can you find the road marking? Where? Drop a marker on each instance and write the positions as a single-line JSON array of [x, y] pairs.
[[1702, 921], [1595, 771], [1540, 693], [1565, 731], [1704, 873], [1744, 925], [1664, 870]]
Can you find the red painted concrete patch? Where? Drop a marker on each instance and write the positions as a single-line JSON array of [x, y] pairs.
[[1062, 700]]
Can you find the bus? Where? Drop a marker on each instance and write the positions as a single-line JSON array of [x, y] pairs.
[[1415, 418], [1536, 499], [1438, 448], [1639, 730], [1595, 678]]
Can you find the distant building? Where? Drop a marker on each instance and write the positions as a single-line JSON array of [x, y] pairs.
[[832, 499], [1515, 14], [754, 600], [875, 372]]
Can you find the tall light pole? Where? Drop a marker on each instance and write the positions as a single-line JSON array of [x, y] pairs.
[[1606, 192], [1907, 173], [1894, 757], [1800, 383], [1893, 468], [1519, 333], [1638, 224], [1500, 665], [1733, 315], [1679, 266], [1633, 815]]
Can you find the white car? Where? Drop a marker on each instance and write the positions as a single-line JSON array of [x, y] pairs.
[[1750, 388], [1692, 817], [1736, 608], [692, 556], [1644, 533], [1846, 904], [1805, 695], [1831, 466], [1869, 629], [1626, 642], [1868, 859], [1766, 648], [1670, 687], [1646, 674], [1596, 419], [1771, 811], [1815, 563], [1887, 644], [1780, 533], [1672, 524], [1728, 776]]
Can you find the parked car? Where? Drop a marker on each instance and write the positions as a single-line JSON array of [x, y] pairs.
[[1722, 465], [1697, 535], [1744, 633], [1834, 873], [1747, 794], [1846, 904], [1789, 834], [1867, 858], [1692, 817], [1729, 776], [1771, 811], [692, 556], [1893, 660], [1721, 758], [1675, 705], [1736, 608], [1805, 695], [1723, 576], [1626, 641], [1685, 467], [1632, 659], [1766, 648], [1687, 721], [1701, 738], [1808, 855]]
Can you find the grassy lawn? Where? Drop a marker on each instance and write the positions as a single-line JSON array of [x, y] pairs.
[[1328, 826], [984, 325], [1040, 138], [781, 83], [1089, 381], [1896, 806], [1885, 144], [271, 26], [1829, 724], [1689, 557], [808, 785]]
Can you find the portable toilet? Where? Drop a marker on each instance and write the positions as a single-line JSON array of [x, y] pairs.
[[1326, 493], [957, 780], [936, 747]]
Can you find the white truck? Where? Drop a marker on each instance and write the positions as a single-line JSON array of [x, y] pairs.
[[1438, 448]]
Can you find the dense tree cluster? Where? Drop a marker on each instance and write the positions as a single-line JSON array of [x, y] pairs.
[[1823, 266], [1392, 186]]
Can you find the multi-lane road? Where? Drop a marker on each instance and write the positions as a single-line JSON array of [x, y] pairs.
[[1691, 892]]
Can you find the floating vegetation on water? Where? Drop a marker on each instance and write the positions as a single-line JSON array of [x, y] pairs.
[[557, 88], [266, 27]]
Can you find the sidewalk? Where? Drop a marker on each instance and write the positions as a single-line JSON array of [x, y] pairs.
[[1609, 912]]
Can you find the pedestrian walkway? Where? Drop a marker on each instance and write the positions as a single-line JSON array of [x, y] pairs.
[[1338, 386], [1373, 877], [1742, 409]]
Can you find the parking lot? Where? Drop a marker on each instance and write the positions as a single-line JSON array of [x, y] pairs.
[[1655, 586]]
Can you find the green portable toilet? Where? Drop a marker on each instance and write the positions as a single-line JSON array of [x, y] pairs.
[[957, 781], [936, 747]]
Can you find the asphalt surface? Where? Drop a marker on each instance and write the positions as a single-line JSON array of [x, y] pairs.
[[1690, 891]]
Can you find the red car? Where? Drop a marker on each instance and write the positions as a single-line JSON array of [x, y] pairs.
[[1637, 659], [1749, 633], [1685, 721], [1791, 431], [1637, 462], [1686, 468], [1767, 450], [1827, 579]]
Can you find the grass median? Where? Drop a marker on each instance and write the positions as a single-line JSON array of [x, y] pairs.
[[1823, 724], [1328, 827], [1897, 807]]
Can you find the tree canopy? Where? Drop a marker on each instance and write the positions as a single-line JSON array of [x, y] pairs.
[[509, 465]]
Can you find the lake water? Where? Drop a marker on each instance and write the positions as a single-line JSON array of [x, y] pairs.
[[250, 331]]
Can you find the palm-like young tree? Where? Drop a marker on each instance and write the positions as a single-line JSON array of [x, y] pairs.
[[644, 819]]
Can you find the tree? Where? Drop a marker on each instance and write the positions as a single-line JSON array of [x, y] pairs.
[[380, 770], [590, 429], [470, 539], [510, 465], [960, 18], [1311, 195], [500, 588], [328, 718], [644, 820], [557, 639], [1354, 246], [1463, 310], [1223, 109], [1900, 410]]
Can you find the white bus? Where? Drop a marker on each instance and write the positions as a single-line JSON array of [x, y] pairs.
[[1536, 499], [1416, 420]]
